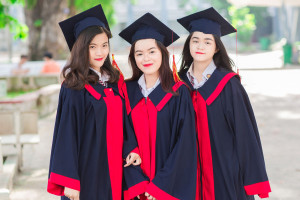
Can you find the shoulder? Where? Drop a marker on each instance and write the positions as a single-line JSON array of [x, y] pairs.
[[71, 94]]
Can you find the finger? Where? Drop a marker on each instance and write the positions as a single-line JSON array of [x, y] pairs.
[[130, 161], [147, 194], [137, 162], [138, 196], [128, 158]]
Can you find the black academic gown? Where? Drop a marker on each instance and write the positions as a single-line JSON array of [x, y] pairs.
[[89, 144], [165, 130], [230, 160]]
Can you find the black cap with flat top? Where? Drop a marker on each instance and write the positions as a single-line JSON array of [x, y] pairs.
[[208, 21], [73, 26], [147, 27]]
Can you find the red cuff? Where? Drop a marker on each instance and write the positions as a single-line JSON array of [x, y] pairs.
[[262, 189], [157, 193], [266, 195], [135, 190], [57, 184], [136, 150]]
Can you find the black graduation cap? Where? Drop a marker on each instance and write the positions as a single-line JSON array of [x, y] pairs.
[[73, 26], [208, 21], [146, 27]]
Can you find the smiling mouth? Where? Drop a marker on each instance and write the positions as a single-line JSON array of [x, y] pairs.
[[199, 53], [99, 59], [147, 65]]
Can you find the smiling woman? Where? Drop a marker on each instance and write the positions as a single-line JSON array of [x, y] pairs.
[[98, 51], [162, 115], [230, 158], [92, 44], [92, 135]]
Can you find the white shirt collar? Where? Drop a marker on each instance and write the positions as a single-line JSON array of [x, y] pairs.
[[205, 75], [142, 84], [102, 77]]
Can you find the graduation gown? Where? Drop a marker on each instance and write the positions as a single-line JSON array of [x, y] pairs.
[[230, 160], [89, 143], [165, 131]]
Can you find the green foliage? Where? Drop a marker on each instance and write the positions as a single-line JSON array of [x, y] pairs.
[[19, 30], [243, 21], [107, 5]]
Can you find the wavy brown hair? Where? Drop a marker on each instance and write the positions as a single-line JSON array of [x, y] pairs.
[[221, 58], [165, 72], [77, 73]]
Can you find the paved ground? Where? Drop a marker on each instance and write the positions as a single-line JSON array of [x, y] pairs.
[[275, 95]]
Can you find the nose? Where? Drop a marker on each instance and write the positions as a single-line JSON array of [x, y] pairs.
[[146, 57], [200, 45], [98, 52]]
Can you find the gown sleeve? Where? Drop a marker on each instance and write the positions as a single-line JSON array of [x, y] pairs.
[[130, 142], [249, 149], [63, 170], [177, 178]]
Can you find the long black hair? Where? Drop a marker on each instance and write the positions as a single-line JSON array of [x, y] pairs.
[[221, 58]]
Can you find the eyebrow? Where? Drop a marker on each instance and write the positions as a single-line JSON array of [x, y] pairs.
[[96, 44], [148, 49], [204, 38]]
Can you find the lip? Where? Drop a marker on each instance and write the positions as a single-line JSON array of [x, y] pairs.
[[147, 65], [99, 59], [200, 53]]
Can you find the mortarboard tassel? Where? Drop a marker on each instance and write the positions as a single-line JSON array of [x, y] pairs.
[[174, 68], [237, 69], [114, 64], [121, 80], [175, 74]]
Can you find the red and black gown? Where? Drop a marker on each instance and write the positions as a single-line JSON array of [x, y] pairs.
[[230, 160], [91, 138], [165, 131]]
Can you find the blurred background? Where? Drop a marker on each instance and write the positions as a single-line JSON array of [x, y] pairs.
[[33, 51]]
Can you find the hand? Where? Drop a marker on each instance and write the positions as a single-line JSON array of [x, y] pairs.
[[133, 158], [71, 194], [149, 197]]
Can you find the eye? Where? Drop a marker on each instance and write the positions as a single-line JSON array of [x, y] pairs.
[[105, 45], [207, 43], [195, 41], [92, 47], [152, 52], [139, 54]]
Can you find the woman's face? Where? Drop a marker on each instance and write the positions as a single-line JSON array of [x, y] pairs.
[[202, 47], [148, 56], [98, 51]]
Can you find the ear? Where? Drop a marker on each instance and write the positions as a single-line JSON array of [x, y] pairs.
[[217, 50]]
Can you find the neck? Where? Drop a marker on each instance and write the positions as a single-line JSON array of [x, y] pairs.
[[96, 68], [200, 67], [151, 79]]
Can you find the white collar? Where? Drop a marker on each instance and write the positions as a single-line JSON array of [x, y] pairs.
[[142, 84], [207, 72], [102, 77]]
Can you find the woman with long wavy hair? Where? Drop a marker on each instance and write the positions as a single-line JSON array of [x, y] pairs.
[[160, 109], [89, 143], [230, 158]]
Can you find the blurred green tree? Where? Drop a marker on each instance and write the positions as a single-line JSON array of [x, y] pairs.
[[42, 17], [18, 29], [243, 21]]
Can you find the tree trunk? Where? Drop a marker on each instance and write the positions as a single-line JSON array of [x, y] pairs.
[[44, 32]]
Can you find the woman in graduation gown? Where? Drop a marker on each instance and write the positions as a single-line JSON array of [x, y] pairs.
[[230, 160], [162, 115], [90, 139]]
